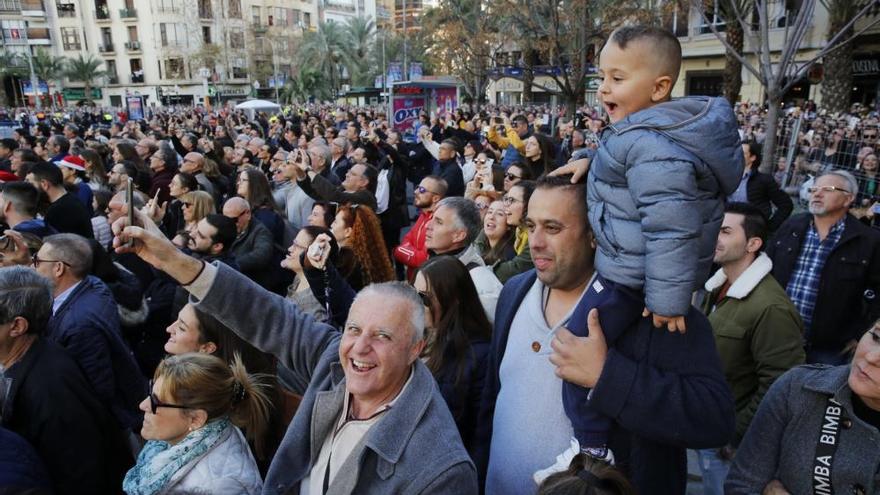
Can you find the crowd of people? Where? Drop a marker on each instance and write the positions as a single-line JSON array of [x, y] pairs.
[[498, 300]]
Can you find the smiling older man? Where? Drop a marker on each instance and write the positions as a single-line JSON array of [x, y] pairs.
[[372, 420]]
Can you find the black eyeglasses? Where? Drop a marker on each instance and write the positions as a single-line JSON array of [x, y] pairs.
[[155, 403], [510, 176], [186, 204], [36, 261]]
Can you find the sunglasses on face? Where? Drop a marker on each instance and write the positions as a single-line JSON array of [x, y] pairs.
[[155, 403], [186, 204], [510, 176], [423, 190]]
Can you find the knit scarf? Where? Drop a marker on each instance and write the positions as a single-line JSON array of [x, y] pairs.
[[521, 240], [159, 461]]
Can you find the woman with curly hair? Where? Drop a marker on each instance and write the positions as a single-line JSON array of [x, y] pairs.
[[363, 257]]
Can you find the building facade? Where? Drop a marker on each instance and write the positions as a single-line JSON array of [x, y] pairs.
[[169, 51]]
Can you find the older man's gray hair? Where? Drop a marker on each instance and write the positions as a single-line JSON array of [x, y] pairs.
[[25, 293], [467, 215], [323, 151], [342, 143], [74, 250], [852, 185], [404, 291]]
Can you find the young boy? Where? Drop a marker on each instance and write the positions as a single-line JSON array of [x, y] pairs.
[[655, 194]]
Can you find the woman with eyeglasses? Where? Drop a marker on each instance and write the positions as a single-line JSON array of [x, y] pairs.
[[516, 203], [363, 258], [171, 214], [816, 431], [196, 331], [196, 405], [458, 334], [300, 290], [195, 205]]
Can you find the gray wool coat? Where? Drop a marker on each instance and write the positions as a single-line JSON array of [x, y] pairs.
[[414, 449], [782, 441]]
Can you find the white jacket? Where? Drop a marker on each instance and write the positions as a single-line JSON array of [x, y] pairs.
[[228, 468], [487, 284]]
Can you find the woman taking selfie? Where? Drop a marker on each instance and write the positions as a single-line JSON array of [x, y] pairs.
[[196, 405]]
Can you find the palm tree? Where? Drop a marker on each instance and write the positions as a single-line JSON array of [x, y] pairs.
[[48, 67], [359, 35], [324, 51], [85, 68], [306, 83], [10, 66], [836, 85]]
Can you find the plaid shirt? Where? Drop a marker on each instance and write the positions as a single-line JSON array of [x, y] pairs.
[[803, 287]]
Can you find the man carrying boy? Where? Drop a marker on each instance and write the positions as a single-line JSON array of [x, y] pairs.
[[655, 193]]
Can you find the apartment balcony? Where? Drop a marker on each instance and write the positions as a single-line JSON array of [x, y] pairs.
[[259, 29], [113, 79], [133, 46], [65, 9], [128, 14], [33, 8], [206, 14], [106, 48], [102, 13], [39, 36], [137, 78]]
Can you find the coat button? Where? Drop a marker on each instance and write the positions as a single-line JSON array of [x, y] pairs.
[[846, 423], [843, 258]]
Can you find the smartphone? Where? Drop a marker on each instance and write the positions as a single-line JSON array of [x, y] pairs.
[[129, 201], [876, 209], [316, 251], [498, 120]]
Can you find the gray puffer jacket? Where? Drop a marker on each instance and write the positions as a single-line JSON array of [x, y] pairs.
[[656, 192]]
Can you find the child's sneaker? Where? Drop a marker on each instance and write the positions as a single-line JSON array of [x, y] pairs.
[[563, 460]]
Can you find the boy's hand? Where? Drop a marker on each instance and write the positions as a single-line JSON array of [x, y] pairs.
[[578, 169], [673, 323]]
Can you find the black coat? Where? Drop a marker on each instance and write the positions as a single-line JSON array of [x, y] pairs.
[[52, 406], [762, 191], [463, 395], [846, 304]]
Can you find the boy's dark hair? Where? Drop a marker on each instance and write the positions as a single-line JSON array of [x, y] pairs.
[[754, 222], [564, 182], [665, 47], [48, 172], [520, 119], [226, 231], [754, 150]]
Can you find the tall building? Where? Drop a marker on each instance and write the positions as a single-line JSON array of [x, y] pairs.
[[342, 10], [166, 50], [24, 28]]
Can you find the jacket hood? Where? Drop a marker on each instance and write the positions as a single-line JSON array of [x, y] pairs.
[[704, 126]]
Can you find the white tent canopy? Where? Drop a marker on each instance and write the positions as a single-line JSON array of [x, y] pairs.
[[252, 106]]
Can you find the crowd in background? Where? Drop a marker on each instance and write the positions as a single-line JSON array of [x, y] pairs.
[[317, 203]]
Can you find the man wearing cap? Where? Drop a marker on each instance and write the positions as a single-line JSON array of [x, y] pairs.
[[72, 168]]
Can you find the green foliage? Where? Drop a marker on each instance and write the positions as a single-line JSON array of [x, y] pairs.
[[85, 69]]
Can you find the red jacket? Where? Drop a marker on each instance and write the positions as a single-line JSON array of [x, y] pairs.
[[412, 251]]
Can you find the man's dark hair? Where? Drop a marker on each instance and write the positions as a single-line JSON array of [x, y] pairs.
[[62, 143], [564, 182], [755, 150], [23, 196], [248, 155], [372, 175], [664, 46], [754, 222], [28, 155], [520, 119], [226, 231], [25, 293], [9, 143], [48, 172]]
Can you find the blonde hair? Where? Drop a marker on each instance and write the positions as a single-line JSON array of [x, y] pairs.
[[206, 382], [202, 203]]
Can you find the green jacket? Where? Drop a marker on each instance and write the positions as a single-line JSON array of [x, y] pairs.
[[758, 333], [504, 270]]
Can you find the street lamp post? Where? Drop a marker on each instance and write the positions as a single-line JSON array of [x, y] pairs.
[[274, 70]]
